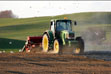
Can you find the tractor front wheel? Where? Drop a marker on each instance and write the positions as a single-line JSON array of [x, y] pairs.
[[56, 46]]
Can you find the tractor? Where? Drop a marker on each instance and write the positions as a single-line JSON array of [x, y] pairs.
[[58, 39]]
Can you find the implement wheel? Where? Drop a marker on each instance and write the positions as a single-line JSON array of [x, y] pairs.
[[45, 43], [56, 46]]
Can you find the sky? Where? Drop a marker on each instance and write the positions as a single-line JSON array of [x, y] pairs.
[[26, 9]]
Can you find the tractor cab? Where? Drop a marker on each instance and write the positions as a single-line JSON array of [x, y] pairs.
[[63, 25], [58, 27]]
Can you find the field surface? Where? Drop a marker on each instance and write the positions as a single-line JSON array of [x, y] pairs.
[[37, 63]]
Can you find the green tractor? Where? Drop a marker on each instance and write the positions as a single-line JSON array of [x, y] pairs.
[[60, 38]]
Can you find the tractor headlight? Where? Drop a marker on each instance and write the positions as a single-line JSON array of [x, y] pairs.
[[70, 36]]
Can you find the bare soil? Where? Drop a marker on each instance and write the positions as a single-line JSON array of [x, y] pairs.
[[40, 63]]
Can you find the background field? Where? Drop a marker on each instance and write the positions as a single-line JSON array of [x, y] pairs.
[[14, 32]]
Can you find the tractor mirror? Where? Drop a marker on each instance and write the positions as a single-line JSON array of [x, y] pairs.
[[75, 23]]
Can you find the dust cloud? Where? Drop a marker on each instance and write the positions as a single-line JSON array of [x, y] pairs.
[[96, 31], [96, 39]]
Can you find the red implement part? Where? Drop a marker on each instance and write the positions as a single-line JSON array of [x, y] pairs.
[[35, 39], [32, 42]]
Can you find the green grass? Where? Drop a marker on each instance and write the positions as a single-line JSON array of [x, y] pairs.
[[17, 30], [11, 44]]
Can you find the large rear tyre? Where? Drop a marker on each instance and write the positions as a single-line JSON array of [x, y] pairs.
[[80, 48], [45, 43]]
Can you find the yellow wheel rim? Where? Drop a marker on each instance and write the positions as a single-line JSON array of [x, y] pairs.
[[45, 43], [56, 46], [77, 50]]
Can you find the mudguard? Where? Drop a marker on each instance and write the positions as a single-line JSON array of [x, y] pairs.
[[50, 35]]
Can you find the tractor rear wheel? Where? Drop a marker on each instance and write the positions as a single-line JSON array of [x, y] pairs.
[[45, 43], [80, 48], [56, 46]]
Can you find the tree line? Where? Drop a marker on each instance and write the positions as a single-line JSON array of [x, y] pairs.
[[7, 14]]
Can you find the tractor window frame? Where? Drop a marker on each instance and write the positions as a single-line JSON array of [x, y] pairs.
[[64, 21]]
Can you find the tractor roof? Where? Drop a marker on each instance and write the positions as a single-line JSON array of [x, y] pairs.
[[65, 18], [59, 19]]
